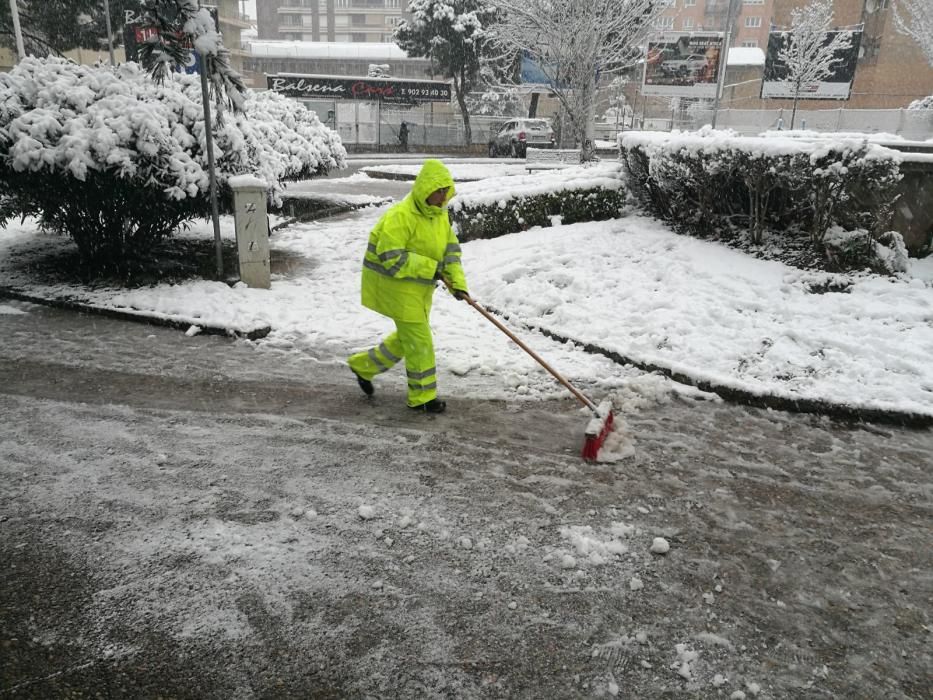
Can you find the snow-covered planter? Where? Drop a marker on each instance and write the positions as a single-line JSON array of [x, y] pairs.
[[708, 181], [496, 206], [118, 162]]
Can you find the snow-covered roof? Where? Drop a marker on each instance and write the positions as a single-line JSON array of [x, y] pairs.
[[367, 51], [746, 56]]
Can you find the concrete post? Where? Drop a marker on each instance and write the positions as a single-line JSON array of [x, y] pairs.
[[252, 229]]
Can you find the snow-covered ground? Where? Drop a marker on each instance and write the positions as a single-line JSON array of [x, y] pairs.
[[629, 286]]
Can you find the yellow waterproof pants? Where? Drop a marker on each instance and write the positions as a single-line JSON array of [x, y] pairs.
[[411, 342]]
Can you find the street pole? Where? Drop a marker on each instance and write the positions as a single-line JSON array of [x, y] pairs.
[[113, 61], [724, 57], [209, 142], [17, 30]]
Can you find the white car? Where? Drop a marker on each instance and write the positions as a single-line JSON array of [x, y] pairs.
[[693, 63]]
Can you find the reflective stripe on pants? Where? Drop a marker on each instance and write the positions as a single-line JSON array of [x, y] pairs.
[[411, 342]]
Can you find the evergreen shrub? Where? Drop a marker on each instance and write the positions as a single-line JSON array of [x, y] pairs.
[[118, 163], [517, 204], [710, 183]]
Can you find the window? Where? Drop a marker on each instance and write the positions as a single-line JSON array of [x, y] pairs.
[[393, 4], [690, 3], [750, 44], [357, 37], [754, 2], [688, 22], [752, 22], [358, 20], [393, 21], [664, 23]]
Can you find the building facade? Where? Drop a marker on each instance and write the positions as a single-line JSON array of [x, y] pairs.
[[329, 20]]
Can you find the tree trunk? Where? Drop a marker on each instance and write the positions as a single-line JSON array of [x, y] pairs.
[[464, 111], [589, 126]]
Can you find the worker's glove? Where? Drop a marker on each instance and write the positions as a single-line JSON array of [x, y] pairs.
[[461, 295]]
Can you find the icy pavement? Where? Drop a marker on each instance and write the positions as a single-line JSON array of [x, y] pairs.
[[186, 516]]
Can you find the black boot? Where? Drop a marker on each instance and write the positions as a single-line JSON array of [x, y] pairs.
[[432, 406], [365, 385]]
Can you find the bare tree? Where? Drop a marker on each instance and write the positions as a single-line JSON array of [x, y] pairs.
[[915, 19], [811, 51], [573, 42]]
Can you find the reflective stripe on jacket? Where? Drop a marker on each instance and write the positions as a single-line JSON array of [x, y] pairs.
[[408, 245]]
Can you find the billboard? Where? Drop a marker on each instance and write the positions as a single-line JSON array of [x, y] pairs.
[[837, 86], [534, 76], [683, 65], [372, 89]]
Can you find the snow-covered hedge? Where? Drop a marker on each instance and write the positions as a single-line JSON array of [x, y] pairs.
[[712, 181], [118, 162], [925, 103], [497, 206]]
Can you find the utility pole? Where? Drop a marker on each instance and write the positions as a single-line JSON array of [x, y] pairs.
[[17, 30], [113, 61], [724, 57]]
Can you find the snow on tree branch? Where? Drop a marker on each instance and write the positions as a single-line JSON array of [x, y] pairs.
[[573, 41], [809, 52], [915, 19]]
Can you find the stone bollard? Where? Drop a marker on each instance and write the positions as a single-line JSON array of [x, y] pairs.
[[252, 229]]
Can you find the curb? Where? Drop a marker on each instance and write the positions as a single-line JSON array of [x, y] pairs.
[[815, 406], [177, 324]]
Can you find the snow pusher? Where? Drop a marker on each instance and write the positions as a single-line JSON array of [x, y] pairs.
[[599, 426]]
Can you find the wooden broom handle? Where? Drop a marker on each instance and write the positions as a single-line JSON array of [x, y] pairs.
[[557, 375]]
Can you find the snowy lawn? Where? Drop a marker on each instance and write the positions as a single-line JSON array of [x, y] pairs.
[[631, 286]]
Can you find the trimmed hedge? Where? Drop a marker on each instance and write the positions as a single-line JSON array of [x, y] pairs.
[[507, 205], [710, 182]]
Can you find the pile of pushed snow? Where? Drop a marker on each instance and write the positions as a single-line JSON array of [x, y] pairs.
[[62, 118]]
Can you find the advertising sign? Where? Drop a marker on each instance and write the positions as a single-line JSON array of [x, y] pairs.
[[683, 65], [373, 89], [837, 86]]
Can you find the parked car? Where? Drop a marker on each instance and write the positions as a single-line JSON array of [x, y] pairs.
[[693, 63], [515, 136]]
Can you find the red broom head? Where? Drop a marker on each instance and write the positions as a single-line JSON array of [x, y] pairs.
[[596, 437]]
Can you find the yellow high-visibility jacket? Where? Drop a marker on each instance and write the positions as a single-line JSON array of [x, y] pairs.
[[409, 244]]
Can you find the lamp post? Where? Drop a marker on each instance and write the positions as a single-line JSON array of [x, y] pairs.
[[109, 31], [724, 58], [17, 30]]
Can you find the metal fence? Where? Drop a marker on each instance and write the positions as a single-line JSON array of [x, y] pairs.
[[911, 124], [374, 124]]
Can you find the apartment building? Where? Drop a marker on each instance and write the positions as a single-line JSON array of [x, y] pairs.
[[750, 29], [891, 71], [329, 20]]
